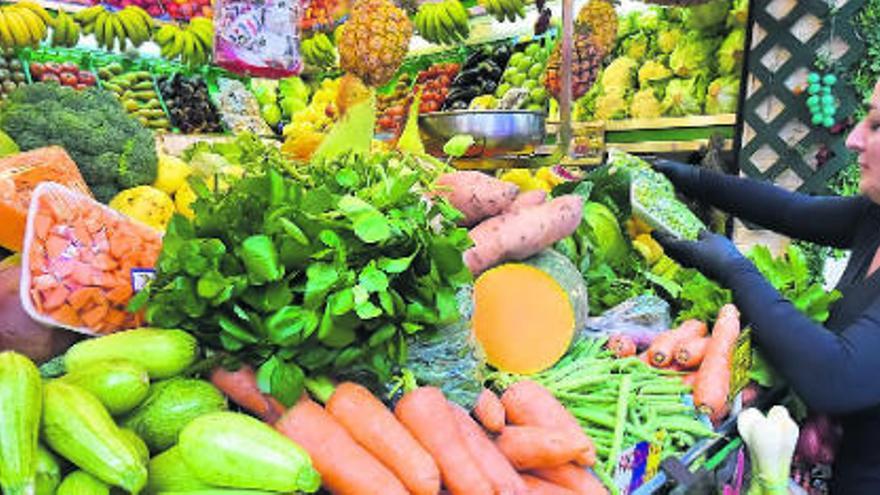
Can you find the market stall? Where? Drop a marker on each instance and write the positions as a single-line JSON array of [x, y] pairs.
[[380, 248]]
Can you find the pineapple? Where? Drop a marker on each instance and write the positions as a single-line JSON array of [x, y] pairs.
[[598, 19], [586, 63], [374, 41]]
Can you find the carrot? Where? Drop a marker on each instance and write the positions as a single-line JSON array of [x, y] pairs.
[[489, 411], [573, 477], [712, 384], [520, 234], [527, 403], [241, 387], [346, 468], [489, 459], [690, 353], [538, 486], [427, 415], [662, 349], [532, 447], [690, 378], [643, 357], [375, 428], [622, 345]]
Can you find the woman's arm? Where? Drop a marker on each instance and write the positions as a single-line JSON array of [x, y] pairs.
[[832, 373], [825, 220]]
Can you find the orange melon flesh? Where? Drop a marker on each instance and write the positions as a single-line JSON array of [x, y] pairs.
[[523, 318]]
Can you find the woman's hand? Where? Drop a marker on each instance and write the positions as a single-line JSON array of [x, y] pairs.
[[684, 177], [715, 256]]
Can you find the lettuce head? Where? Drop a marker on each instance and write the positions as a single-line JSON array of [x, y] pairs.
[[694, 56], [722, 95], [683, 97], [730, 55], [645, 105], [709, 17]]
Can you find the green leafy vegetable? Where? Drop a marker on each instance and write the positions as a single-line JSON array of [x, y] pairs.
[[458, 145]]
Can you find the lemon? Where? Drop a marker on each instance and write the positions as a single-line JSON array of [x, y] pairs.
[[145, 204], [172, 174]]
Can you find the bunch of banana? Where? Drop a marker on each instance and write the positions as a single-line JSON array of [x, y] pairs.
[[23, 24], [443, 22], [505, 10], [132, 24], [194, 44], [65, 31], [319, 51]]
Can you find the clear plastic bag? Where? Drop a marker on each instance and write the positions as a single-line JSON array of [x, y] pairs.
[[642, 318], [20, 174], [258, 38], [83, 262]]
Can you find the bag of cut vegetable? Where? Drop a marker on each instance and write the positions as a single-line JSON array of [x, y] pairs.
[[19, 176], [83, 262]]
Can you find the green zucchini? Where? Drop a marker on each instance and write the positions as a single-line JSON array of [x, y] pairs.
[[82, 483], [137, 443], [48, 472], [77, 426], [234, 450], [119, 385], [168, 473], [169, 407], [21, 398], [163, 353]]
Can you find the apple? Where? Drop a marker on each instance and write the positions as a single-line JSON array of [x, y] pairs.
[[52, 67], [69, 67], [86, 78], [37, 70], [68, 79]]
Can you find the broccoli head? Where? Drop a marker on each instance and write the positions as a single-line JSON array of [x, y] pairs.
[[113, 150]]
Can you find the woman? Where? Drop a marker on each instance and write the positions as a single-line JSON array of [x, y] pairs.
[[834, 368]]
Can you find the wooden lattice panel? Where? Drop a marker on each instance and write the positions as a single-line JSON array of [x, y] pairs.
[[779, 143]]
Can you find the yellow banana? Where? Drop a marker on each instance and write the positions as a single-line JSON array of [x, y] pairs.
[[89, 15], [36, 9], [6, 37], [177, 45], [35, 25], [203, 34], [60, 30], [165, 34], [17, 27], [73, 33], [119, 29]]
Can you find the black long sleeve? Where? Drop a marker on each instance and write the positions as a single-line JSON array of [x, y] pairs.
[[825, 220], [834, 373]]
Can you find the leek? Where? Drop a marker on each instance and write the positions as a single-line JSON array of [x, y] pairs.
[[771, 441]]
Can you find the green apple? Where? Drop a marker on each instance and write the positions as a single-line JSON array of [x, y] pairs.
[[530, 84], [532, 49], [518, 80], [271, 113], [516, 58], [536, 70]]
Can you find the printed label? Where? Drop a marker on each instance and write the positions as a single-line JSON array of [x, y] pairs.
[[140, 277], [742, 363]]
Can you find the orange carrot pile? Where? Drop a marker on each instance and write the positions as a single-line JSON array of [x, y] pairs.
[[712, 384], [534, 447], [527, 403], [662, 349], [622, 345], [690, 354], [372, 425], [538, 486], [81, 259], [489, 411], [575, 478], [346, 468], [489, 459]]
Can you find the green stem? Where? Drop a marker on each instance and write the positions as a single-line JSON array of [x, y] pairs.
[[620, 418]]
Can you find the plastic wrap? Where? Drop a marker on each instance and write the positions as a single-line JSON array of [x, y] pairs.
[[83, 262], [449, 358], [20, 175], [641, 318], [258, 38], [239, 109]]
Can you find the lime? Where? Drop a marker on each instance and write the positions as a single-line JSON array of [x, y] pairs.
[[502, 90], [538, 95], [516, 58], [536, 70], [518, 80], [271, 113], [532, 49], [530, 84], [509, 73], [524, 65]]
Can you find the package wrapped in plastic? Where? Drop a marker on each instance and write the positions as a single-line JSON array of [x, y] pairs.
[[449, 358], [258, 38], [20, 174], [642, 318], [83, 262]]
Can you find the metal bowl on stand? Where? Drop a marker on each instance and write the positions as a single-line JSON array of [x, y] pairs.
[[496, 132]]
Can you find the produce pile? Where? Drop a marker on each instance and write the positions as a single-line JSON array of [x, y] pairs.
[[189, 104], [672, 62], [480, 75], [138, 96], [67, 74], [12, 74]]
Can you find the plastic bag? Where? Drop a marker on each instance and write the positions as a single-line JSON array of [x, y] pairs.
[[240, 109], [83, 262], [258, 38], [449, 358], [642, 318], [20, 175]]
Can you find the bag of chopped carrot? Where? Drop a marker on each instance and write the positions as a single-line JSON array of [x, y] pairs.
[[20, 174], [83, 262]]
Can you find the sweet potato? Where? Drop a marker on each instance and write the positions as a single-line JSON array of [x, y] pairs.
[[477, 195], [526, 200], [522, 233]]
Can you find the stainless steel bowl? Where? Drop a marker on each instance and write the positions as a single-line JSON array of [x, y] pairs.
[[495, 132]]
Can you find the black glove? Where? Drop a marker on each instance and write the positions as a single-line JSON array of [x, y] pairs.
[[715, 256], [685, 178]]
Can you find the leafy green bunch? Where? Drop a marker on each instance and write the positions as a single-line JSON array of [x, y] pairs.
[[326, 273]]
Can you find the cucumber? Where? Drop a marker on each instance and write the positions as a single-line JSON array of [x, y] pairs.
[[77, 426], [21, 399], [234, 450], [48, 472], [163, 353], [169, 407], [168, 473], [119, 385], [82, 483], [137, 443]]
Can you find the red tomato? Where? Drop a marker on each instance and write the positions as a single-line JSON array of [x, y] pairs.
[[69, 67], [50, 76], [68, 79], [52, 67], [37, 70]]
